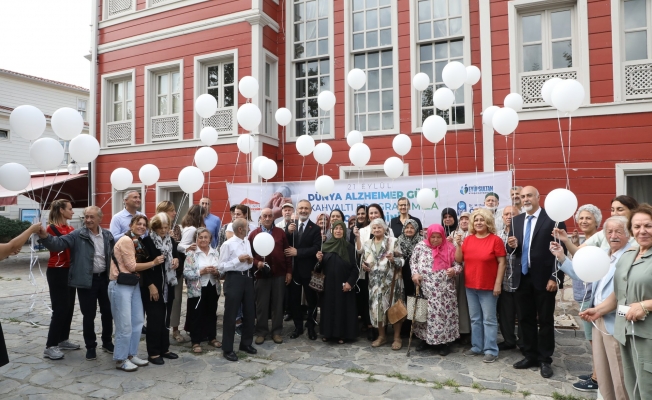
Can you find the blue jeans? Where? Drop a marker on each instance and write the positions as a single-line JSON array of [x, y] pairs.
[[127, 310], [484, 324]]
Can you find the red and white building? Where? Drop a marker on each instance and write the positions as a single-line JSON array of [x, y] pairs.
[[152, 58]]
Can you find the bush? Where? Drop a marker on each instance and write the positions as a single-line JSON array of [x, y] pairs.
[[10, 228]]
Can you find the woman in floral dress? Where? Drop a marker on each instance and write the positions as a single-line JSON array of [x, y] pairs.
[[383, 260], [434, 270]]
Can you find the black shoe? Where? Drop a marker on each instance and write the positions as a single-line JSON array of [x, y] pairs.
[[525, 364], [144, 330], [248, 349], [156, 360], [287, 317], [90, 354], [502, 346], [231, 356], [444, 350], [170, 355], [588, 385], [296, 333], [423, 346], [585, 377], [311, 333], [108, 347], [546, 370]]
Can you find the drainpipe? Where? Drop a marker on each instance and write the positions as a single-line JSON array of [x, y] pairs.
[[92, 126]]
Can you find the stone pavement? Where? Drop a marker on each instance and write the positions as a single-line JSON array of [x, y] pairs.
[[297, 368]]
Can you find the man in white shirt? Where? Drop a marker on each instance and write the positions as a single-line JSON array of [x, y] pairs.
[[491, 203], [287, 210], [236, 261]]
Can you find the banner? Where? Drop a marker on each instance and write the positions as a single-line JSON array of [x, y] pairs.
[[462, 192]]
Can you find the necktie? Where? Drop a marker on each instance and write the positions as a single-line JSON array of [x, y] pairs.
[[300, 229], [525, 255]]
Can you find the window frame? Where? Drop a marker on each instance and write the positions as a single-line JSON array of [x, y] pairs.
[[619, 49], [346, 171], [66, 152], [5, 139], [85, 110], [106, 104], [269, 121], [151, 73]]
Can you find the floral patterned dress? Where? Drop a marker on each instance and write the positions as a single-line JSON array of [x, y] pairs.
[[443, 318], [381, 276]]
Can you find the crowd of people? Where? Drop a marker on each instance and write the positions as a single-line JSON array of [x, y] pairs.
[[480, 273]]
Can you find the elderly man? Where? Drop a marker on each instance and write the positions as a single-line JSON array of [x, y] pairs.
[[273, 273], [606, 350], [507, 301], [236, 262], [91, 250], [211, 221], [515, 194], [491, 203], [397, 223], [529, 240], [286, 210], [120, 221]]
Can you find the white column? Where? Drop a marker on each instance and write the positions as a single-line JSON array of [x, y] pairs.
[[487, 84]]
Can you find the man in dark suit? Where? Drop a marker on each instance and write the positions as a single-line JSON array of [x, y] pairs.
[[305, 238], [530, 237]]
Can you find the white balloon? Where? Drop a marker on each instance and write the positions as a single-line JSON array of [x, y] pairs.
[[264, 244], [546, 89], [359, 154], [326, 100], [354, 137], [324, 185], [27, 121], [443, 98], [268, 169], [149, 174], [356, 78], [434, 128], [248, 87], [283, 116], [591, 263], [426, 198], [46, 153], [73, 168], [121, 178], [568, 95], [206, 159], [255, 165], [14, 176], [246, 143], [206, 105], [472, 75], [249, 116], [191, 179], [514, 101], [402, 144], [488, 115], [322, 153], [67, 123], [305, 145], [421, 81], [454, 74], [505, 121], [393, 167], [208, 136], [560, 204], [84, 149]]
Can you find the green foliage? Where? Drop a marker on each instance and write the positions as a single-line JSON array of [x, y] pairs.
[[559, 396], [10, 228], [525, 393], [478, 387]]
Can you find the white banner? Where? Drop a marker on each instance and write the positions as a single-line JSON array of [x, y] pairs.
[[462, 192]]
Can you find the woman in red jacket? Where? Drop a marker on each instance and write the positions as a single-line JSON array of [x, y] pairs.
[[62, 296]]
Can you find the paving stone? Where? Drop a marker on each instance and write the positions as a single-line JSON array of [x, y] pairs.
[[343, 364], [7, 385], [54, 396], [42, 377], [298, 388], [400, 392], [278, 380], [20, 372], [135, 385], [81, 388], [304, 374], [314, 361], [255, 392], [103, 394]]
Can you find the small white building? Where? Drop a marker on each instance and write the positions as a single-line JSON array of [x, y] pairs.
[[18, 89]]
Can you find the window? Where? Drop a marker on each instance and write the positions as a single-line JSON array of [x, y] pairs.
[[168, 93], [368, 172], [637, 48], [547, 40], [117, 108], [4, 134], [163, 102], [217, 75], [122, 100], [373, 52], [66, 153], [220, 83], [81, 107], [636, 30], [3, 208], [269, 122], [310, 79], [310, 28]]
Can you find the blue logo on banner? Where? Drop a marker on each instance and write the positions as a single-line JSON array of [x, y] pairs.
[[466, 189]]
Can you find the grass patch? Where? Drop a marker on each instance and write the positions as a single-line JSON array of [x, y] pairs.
[[371, 379], [17, 279], [254, 378], [437, 385], [358, 371], [559, 396], [478, 387], [457, 390], [506, 391], [242, 355], [267, 371], [400, 376], [420, 380], [451, 383], [525, 393], [13, 319]]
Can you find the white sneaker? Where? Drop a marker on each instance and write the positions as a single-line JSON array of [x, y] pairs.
[[53, 353], [138, 361], [126, 365], [68, 345]]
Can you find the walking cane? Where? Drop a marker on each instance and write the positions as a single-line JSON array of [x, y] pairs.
[[414, 313]]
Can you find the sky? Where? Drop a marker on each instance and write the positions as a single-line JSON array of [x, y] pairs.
[[47, 38]]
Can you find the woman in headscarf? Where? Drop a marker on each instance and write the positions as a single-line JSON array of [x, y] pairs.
[[433, 270], [410, 237], [449, 220], [339, 319], [338, 215]]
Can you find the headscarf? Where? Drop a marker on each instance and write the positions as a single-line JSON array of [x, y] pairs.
[[338, 246], [442, 255], [407, 243], [449, 229], [164, 245], [141, 253]]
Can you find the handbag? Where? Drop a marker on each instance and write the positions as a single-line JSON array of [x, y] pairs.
[[126, 278], [417, 307], [317, 280], [397, 312]]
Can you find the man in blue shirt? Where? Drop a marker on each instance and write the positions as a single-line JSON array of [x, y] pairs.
[[211, 221], [120, 221]]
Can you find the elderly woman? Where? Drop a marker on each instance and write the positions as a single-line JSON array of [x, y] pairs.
[[130, 257], [409, 239], [338, 215], [339, 319], [159, 282], [383, 260], [633, 288], [483, 254], [202, 281], [433, 269]]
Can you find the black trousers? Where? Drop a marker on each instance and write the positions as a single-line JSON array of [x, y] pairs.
[[158, 313], [507, 305], [297, 287], [88, 300], [238, 289], [202, 315], [62, 298], [536, 305], [362, 300]]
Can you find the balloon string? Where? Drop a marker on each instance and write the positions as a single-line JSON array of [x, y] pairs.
[[445, 158], [570, 118], [283, 151], [421, 138], [303, 163], [563, 152], [457, 166]]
